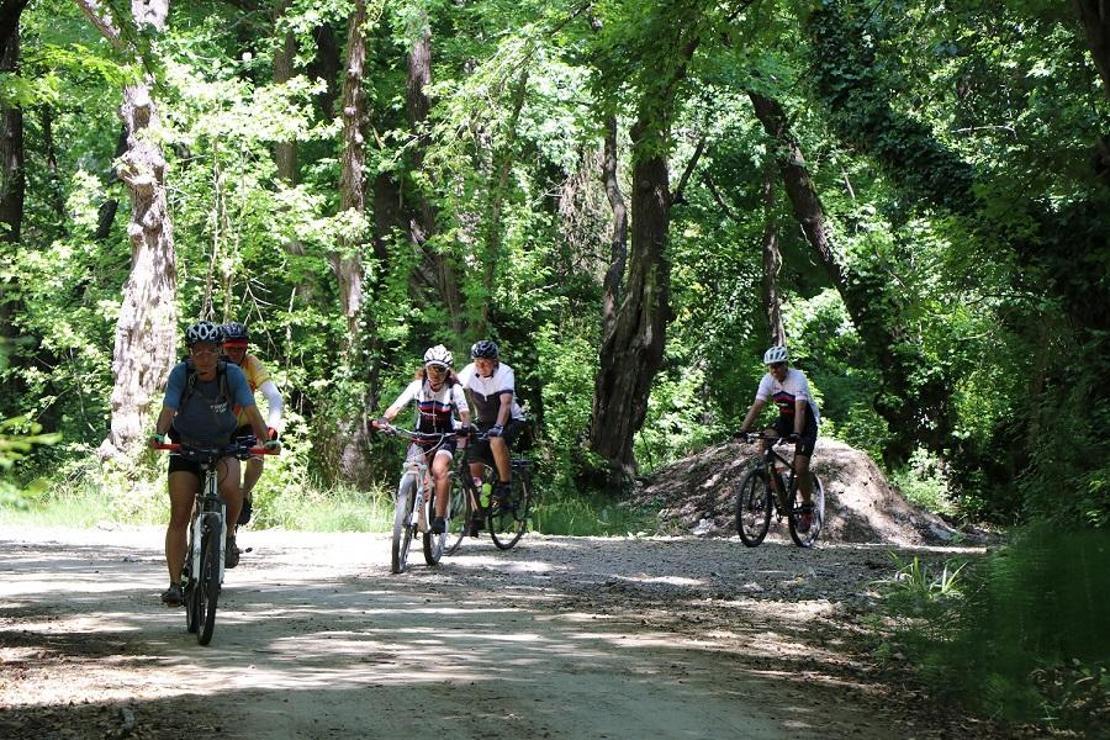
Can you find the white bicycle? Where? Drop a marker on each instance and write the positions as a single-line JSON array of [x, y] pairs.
[[416, 502]]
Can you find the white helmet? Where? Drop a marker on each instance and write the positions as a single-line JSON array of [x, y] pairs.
[[438, 355], [775, 354]]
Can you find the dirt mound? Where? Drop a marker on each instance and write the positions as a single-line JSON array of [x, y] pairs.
[[698, 495]]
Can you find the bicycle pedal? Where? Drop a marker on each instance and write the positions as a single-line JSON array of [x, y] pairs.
[[249, 549]]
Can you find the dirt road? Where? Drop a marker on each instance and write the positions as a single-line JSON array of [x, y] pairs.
[[562, 637]]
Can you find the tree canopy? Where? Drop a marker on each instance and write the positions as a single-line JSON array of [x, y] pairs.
[[633, 198]]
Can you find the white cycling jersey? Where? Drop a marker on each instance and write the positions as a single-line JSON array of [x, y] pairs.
[[794, 387]]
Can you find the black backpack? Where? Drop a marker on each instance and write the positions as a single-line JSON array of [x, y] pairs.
[[191, 383]]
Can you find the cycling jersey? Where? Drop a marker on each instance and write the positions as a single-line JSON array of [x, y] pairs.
[[485, 393], [435, 410], [794, 387], [207, 418]]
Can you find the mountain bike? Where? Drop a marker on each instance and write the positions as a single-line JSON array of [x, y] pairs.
[[505, 520], [203, 574], [763, 492], [416, 502]]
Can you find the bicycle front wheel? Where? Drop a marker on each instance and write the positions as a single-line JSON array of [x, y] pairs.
[[509, 519], [807, 538], [403, 523], [753, 508], [459, 511], [207, 588], [434, 543]]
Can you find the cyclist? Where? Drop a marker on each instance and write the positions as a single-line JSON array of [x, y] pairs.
[[798, 419], [202, 397], [439, 401], [491, 388], [235, 350]]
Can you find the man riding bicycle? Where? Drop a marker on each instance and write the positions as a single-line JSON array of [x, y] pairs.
[[203, 397], [235, 350], [798, 420], [491, 388]]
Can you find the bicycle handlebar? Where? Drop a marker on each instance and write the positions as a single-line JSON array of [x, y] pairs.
[[229, 451], [766, 438]]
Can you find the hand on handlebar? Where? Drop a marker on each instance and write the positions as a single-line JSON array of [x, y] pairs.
[[742, 435], [272, 445], [157, 439], [495, 431]]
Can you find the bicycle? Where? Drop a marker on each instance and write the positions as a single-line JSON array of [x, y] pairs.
[[506, 520], [203, 574], [413, 498], [763, 493]]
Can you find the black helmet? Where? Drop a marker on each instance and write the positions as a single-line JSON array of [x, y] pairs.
[[234, 330], [484, 349], [204, 331]]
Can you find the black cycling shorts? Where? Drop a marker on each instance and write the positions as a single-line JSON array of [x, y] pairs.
[[784, 425], [479, 451]]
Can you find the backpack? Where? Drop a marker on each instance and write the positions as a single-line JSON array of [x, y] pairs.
[[191, 383]]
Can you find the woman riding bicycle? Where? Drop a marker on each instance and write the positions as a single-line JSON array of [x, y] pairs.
[[439, 400], [798, 420], [203, 396]]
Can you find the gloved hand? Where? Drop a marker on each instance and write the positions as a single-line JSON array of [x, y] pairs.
[[463, 430], [273, 433], [495, 431], [742, 435], [381, 423], [272, 445], [792, 437], [157, 439]]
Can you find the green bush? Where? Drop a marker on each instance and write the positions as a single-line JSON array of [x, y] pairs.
[[1027, 641]]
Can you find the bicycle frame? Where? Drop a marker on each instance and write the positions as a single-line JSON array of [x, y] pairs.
[[417, 469]]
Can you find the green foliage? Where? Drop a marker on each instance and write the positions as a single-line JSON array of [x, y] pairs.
[[1020, 635]]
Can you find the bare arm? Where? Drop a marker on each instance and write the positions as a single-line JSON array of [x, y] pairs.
[[753, 413], [165, 418], [801, 408]]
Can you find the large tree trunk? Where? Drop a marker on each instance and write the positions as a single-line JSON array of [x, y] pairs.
[[437, 269], [772, 260], [633, 352], [146, 328], [915, 411], [1095, 17], [347, 262], [618, 242], [12, 178], [285, 152], [498, 191]]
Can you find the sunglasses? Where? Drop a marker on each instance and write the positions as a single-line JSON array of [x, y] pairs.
[[438, 369], [778, 365]]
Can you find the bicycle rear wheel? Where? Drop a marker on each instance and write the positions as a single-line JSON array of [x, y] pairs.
[[807, 538], [208, 584], [753, 507], [460, 511], [403, 523], [509, 520]]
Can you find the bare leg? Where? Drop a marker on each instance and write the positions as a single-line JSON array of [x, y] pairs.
[[183, 489]]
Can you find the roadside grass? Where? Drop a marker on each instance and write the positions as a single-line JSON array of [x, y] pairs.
[[1019, 635], [91, 496], [585, 516]]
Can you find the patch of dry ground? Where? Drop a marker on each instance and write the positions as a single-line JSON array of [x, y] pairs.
[[698, 495]]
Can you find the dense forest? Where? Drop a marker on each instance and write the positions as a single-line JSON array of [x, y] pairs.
[[634, 199]]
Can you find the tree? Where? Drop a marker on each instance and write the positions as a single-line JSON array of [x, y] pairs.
[[146, 333]]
